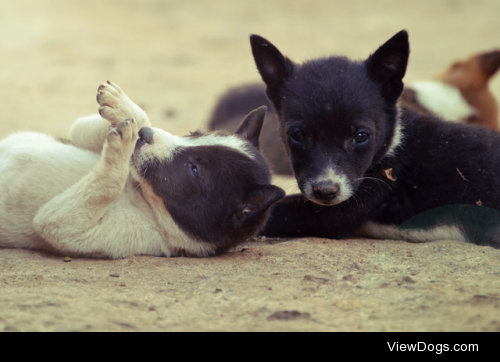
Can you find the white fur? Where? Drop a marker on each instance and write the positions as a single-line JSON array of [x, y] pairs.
[[398, 136], [90, 132], [335, 177], [380, 231], [165, 145], [443, 99], [117, 107], [64, 198]]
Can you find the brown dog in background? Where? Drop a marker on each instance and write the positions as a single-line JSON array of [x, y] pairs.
[[460, 93]]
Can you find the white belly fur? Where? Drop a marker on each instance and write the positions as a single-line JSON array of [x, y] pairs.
[[34, 168]]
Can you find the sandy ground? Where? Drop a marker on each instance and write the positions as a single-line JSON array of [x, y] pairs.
[[174, 58]]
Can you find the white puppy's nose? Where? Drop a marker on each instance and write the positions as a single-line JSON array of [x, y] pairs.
[[146, 135]]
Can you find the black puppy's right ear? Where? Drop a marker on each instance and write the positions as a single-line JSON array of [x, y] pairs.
[[274, 68], [387, 66], [251, 125]]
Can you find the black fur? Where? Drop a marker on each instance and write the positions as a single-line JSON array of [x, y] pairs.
[[342, 114], [214, 193]]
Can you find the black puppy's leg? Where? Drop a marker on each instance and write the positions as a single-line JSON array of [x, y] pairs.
[[295, 216]]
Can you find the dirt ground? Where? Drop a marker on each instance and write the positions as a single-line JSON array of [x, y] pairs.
[[174, 58]]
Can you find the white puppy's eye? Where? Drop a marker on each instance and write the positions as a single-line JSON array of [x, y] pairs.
[[194, 170]]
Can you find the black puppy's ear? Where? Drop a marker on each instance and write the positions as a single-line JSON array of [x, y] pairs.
[[387, 65], [251, 125], [256, 203], [274, 68], [490, 63]]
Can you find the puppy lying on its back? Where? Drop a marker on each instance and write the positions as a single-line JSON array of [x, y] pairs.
[[125, 191]]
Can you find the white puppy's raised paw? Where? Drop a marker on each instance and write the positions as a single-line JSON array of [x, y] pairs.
[[114, 104], [121, 142]]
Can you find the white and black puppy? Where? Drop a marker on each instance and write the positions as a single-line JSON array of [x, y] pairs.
[[123, 188]]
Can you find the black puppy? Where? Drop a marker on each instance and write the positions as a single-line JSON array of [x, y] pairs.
[[370, 165]]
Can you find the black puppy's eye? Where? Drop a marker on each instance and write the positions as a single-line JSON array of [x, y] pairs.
[[297, 136], [194, 170], [361, 137]]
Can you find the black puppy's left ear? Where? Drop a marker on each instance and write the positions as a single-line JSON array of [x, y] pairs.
[[256, 203], [387, 66], [251, 125]]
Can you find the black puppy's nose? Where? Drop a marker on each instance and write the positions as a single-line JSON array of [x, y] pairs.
[[146, 135], [325, 191]]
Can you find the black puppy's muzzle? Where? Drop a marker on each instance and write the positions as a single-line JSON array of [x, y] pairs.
[[146, 135], [325, 191]]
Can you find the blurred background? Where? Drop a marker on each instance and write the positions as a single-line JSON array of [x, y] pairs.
[[175, 57]]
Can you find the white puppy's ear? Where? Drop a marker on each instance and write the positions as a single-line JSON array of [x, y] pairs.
[[256, 203], [251, 125]]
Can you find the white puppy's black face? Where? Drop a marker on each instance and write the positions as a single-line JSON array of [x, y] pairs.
[[215, 186]]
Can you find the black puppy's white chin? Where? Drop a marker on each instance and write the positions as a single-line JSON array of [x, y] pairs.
[[335, 201], [331, 188]]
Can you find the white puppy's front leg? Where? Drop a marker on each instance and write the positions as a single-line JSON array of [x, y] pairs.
[[114, 107], [77, 221]]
